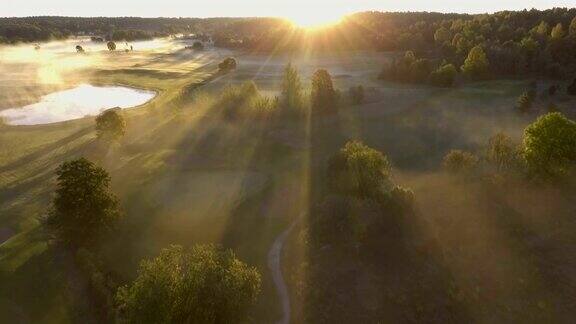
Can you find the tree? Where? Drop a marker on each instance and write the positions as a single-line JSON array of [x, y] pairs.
[[323, 94], [457, 161], [557, 32], [524, 102], [111, 46], [110, 125], [442, 35], [572, 28], [203, 285], [550, 145], [227, 64], [444, 76], [358, 170], [356, 94], [291, 88], [502, 152], [476, 64], [83, 206]]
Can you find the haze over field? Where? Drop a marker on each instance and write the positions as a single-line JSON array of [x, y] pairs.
[[330, 165]]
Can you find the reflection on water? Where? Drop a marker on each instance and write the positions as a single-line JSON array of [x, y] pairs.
[[76, 103]]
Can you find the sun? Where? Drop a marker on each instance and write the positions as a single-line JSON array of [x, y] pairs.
[[314, 20]]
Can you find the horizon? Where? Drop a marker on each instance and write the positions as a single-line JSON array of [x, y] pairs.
[[329, 11]]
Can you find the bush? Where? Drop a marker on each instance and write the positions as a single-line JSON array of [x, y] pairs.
[[356, 94], [111, 46], [203, 285], [227, 64]]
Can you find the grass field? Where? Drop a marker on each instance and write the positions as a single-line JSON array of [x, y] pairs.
[[184, 177]]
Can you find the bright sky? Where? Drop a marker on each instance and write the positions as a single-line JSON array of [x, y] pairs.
[[300, 10]]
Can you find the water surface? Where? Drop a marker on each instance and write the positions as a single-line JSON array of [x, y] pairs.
[[83, 100]]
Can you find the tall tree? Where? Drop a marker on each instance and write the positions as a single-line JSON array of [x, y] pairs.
[[204, 285], [557, 32], [323, 93], [291, 88], [476, 64], [83, 206]]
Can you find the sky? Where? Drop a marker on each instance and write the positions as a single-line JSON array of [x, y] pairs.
[[305, 10]]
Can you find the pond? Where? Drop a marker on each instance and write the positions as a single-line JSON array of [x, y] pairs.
[[83, 100]]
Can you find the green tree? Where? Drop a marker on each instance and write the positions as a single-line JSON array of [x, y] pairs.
[[83, 206], [110, 125], [476, 64], [457, 161], [557, 32], [358, 170], [444, 76], [111, 46], [291, 88], [323, 95], [204, 285], [550, 145]]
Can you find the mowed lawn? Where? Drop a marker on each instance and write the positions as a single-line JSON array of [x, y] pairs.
[[184, 177]]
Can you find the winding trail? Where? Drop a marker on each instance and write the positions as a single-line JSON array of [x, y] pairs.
[[274, 257]]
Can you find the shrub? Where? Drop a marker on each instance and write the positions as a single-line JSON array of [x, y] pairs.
[[227, 64], [111, 46]]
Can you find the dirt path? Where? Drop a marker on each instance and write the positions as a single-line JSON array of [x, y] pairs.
[[274, 257]]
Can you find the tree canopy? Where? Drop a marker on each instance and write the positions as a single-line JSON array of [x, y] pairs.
[[358, 170], [550, 145], [323, 95], [110, 125], [83, 206], [203, 285]]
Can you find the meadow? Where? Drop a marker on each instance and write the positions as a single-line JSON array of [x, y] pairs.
[[184, 176]]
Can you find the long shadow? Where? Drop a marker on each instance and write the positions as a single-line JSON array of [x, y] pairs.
[[46, 149]]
